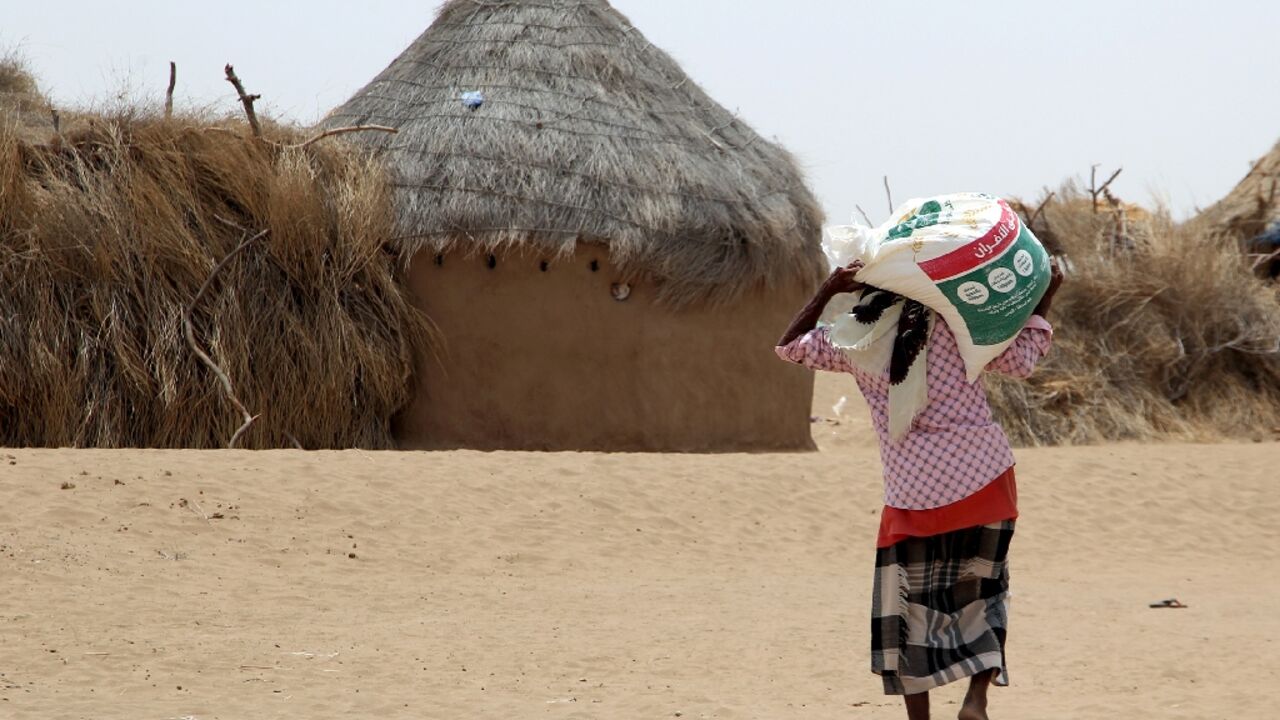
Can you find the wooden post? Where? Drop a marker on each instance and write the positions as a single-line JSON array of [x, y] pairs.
[[168, 94], [246, 100]]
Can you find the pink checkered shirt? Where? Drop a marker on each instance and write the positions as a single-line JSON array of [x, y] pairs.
[[954, 448]]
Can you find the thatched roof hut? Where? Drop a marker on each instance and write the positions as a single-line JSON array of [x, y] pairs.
[[1253, 204], [551, 162], [586, 131]]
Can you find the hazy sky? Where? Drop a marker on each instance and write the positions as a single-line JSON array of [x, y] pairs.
[[1003, 97]]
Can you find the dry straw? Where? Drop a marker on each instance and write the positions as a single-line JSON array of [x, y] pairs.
[[109, 229], [1252, 205], [22, 105], [586, 131], [1161, 331]]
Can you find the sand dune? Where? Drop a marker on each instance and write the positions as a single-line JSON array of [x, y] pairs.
[[170, 584]]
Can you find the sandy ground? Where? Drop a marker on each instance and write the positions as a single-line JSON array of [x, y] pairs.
[[205, 585]]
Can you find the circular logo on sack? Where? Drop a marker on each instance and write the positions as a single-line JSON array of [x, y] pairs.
[[1002, 279], [974, 293], [1023, 263]]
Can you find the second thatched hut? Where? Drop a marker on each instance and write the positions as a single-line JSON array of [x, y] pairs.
[[1250, 213], [1253, 205], [607, 253]]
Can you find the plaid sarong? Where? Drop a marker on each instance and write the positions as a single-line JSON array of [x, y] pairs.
[[939, 608]]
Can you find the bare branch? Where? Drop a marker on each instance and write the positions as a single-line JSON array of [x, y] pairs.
[[342, 131], [1031, 221], [204, 357], [1095, 191], [864, 215], [241, 430], [1108, 182], [1093, 182], [230, 223], [1263, 258], [168, 94], [245, 99], [888, 194]]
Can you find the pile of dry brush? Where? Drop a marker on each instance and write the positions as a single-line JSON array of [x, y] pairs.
[[1162, 330], [110, 227]]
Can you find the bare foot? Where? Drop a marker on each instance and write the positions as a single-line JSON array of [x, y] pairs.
[[975, 701]]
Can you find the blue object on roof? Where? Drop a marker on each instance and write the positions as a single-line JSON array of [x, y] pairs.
[[1271, 236], [473, 99]]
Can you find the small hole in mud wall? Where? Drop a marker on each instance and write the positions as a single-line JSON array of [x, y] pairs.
[[492, 262], [543, 266], [595, 265], [620, 291], [440, 261]]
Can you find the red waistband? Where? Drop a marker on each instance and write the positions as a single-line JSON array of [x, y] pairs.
[[996, 501]]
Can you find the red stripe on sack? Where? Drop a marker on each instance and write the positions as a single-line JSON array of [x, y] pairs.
[[979, 252]]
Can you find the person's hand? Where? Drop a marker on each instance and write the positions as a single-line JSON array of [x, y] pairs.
[[842, 279], [1055, 282]]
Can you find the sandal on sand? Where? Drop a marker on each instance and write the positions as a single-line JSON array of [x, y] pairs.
[[1169, 603]]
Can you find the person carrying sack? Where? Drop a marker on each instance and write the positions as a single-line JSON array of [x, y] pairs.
[[941, 586]]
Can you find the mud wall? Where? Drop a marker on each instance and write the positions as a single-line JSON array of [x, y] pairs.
[[537, 353]]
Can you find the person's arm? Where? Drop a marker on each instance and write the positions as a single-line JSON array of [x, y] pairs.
[[802, 344], [1032, 344], [841, 281], [1021, 357]]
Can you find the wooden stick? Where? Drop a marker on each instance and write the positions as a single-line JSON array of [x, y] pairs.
[[235, 436], [344, 130], [168, 94], [245, 99], [1108, 182], [863, 213], [1093, 181], [1096, 191], [888, 194], [1263, 258], [204, 357], [1039, 209]]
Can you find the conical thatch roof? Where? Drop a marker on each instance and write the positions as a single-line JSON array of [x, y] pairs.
[[587, 131], [1254, 203]]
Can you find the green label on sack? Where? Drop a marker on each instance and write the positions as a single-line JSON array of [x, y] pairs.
[[928, 214], [996, 299]]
